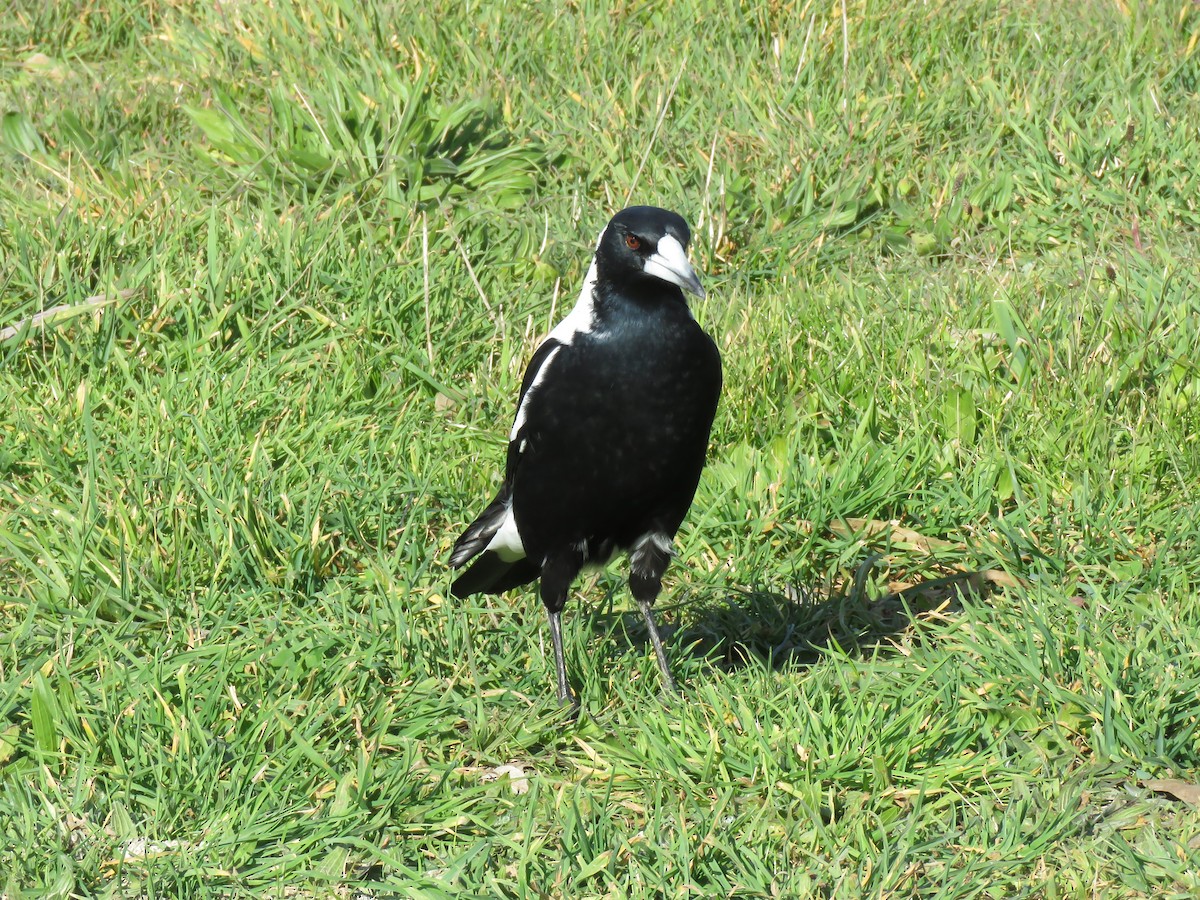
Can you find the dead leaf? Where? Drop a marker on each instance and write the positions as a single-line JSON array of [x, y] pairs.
[[141, 848], [971, 335], [893, 531], [46, 67], [1001, 578], [1180, 790], [518, 780]]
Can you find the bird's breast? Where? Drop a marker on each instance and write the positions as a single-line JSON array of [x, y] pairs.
[[616, 436]]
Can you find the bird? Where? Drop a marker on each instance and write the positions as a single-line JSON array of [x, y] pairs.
[[610, 435]]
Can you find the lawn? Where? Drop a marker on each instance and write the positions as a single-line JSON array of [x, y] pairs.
[[269, 276]]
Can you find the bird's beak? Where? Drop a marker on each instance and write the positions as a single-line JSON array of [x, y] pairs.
[[670, 263]]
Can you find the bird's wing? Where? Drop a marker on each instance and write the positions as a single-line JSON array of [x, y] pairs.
[[480, 533], [535, 374]]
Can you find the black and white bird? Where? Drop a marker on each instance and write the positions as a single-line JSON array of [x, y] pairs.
[[610, 434]]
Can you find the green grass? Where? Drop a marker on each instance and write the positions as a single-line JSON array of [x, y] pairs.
[[935, 613]]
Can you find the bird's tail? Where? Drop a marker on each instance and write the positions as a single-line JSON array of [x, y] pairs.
[[490, 574], [480, 532]]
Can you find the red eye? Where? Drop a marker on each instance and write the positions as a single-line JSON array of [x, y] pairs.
[[632, 242]]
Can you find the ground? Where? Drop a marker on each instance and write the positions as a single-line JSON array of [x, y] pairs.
[[270, 275]]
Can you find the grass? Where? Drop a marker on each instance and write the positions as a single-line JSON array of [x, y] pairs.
[[935, 613]]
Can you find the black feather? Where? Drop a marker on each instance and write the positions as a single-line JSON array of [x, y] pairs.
[[472, 541], [611, 431], [492, 575]]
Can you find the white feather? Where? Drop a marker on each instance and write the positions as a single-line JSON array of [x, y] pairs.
[[506, 542], [644, 546], [580, 320], [582, 317], [522, 410]]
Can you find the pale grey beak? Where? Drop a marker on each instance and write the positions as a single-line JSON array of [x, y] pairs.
[[670, 263]]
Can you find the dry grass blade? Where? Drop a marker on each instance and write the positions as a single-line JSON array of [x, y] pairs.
[[63, 311]]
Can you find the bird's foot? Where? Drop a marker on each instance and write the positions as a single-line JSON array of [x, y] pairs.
[[569, 703]]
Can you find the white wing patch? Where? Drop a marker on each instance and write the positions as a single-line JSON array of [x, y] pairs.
[[506, 543], [523, 409]]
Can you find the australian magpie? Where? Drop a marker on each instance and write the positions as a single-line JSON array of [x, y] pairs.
[[610, 434]]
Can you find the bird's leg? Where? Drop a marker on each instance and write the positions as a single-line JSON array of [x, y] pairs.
[[557, 574], [560, 664], [648, 614], [647, 563]]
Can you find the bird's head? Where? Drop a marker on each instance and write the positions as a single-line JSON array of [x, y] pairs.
[[647, 242]]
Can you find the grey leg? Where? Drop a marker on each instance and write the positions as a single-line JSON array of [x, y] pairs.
[[648, 613], [647, 563], [560, 664], [557, 575]]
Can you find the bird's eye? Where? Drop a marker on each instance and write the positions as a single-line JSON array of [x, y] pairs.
[[633, 242]]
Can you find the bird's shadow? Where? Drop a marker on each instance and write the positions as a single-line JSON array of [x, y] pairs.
[[793, 627]]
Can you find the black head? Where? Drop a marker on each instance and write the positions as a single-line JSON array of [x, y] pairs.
[[643, 242]]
